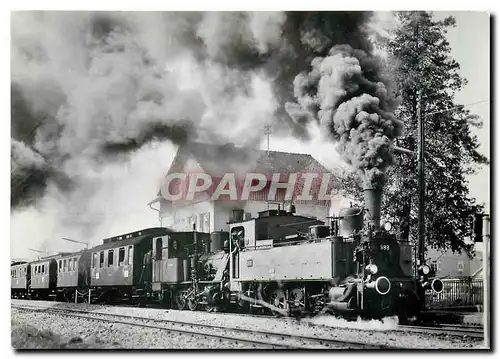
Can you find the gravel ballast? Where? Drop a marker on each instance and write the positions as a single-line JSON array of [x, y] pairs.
[[75, 332]]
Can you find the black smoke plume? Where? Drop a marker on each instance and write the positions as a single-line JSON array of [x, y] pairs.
[[347, 94]]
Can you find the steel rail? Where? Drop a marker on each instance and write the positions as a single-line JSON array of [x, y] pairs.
[[444, 330], [327, 343]]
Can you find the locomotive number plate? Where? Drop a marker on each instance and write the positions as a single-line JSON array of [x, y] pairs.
[[385, 247], [250, 263]]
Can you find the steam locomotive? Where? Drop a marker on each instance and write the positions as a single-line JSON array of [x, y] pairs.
[[278, 262]]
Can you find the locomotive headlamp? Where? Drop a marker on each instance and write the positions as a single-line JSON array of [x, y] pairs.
[[372, 268], [387, 226], [425, 269]]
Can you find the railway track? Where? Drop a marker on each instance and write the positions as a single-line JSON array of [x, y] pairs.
[[445, 329], [263, 339], [472, 331]]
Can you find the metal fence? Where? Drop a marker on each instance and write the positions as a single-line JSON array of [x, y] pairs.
[[457, 293]]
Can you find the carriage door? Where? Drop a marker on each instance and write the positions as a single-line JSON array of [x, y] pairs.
[[157, 258]]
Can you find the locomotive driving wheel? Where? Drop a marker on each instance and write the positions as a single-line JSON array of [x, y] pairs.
[[297, 297], [180, 299], [192, 303], [279, 300]]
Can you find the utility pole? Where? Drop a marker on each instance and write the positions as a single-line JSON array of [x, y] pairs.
[[37, 251], [486, 279], [421, 181], [75, 241]]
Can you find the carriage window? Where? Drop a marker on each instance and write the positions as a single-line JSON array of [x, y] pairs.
[[110, 257], [43, 268], [130, 254], [60, 266], [36, 270], [74, 263], [159, 246], [65, 266], [101, 259], [94, 260], [121, 256]]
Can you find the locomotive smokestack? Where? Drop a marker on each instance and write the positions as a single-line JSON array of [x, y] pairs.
[[373, 205]]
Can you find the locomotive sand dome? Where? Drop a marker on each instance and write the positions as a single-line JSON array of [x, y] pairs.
[[351, 220]]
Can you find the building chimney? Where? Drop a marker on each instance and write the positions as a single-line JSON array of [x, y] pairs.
[[373, 205]]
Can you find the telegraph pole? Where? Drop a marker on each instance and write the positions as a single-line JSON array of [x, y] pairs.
[[421, 181]]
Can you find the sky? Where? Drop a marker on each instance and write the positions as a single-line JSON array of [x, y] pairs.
[[470, 44], [126, 209]]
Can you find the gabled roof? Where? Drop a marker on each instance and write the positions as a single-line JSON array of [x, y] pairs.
[[219, 159]]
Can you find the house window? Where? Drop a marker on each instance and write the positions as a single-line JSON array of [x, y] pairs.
[[191, 222], [121, 256], [101, 259], [110, 257], [204, 222]]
